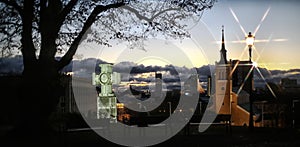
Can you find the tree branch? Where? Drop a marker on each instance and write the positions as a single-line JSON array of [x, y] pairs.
[[13, 4], [28, 49], [10, 23], [137, 14], [163, 11], [66, 11], [67, 58], [141, 17]]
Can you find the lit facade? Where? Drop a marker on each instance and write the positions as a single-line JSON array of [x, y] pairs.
[[223, 82], [233, 80]]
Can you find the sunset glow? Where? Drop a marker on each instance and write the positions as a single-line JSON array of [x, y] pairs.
[[276, 33]]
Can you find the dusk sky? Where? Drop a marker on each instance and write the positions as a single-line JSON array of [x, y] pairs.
[[276, 25], [278, 35]]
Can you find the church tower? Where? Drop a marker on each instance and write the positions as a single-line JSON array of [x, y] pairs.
[[222, 81], [223, 51]]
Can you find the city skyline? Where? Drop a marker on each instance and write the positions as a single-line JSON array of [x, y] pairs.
[[275, 38], [150, 73]]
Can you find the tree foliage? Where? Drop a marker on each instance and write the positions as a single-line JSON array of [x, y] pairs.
[[41, 29]]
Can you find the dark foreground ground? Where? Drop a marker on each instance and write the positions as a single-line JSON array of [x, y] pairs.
[[214, 136]]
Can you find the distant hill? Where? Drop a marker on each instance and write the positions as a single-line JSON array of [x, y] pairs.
[[11, 66], [14, 66]]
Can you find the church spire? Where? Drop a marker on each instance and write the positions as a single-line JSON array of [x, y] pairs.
[[223, 49], [223, 42]]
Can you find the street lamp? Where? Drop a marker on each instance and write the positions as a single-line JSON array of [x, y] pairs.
[[250, 42], [294, 114], [170, 108]]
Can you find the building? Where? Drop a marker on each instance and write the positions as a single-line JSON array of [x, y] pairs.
[[223, 82], [290, 86], [233, 87]]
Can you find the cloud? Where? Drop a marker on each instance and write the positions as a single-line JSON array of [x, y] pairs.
[[85, 67], [11, 65]]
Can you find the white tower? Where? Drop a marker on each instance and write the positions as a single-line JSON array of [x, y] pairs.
[[223, 82]]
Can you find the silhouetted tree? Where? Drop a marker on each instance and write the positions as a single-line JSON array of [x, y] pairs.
[[43, 29]]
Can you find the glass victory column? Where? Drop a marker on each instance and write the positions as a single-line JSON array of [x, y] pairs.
[[106, 100]]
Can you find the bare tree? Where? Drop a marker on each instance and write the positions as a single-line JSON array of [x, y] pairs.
[[42, 29]]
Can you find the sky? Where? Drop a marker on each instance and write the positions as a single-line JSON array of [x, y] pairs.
[[277, 37], [276, 26]]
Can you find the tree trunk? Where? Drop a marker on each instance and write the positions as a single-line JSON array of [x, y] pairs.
[[40, 92]]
